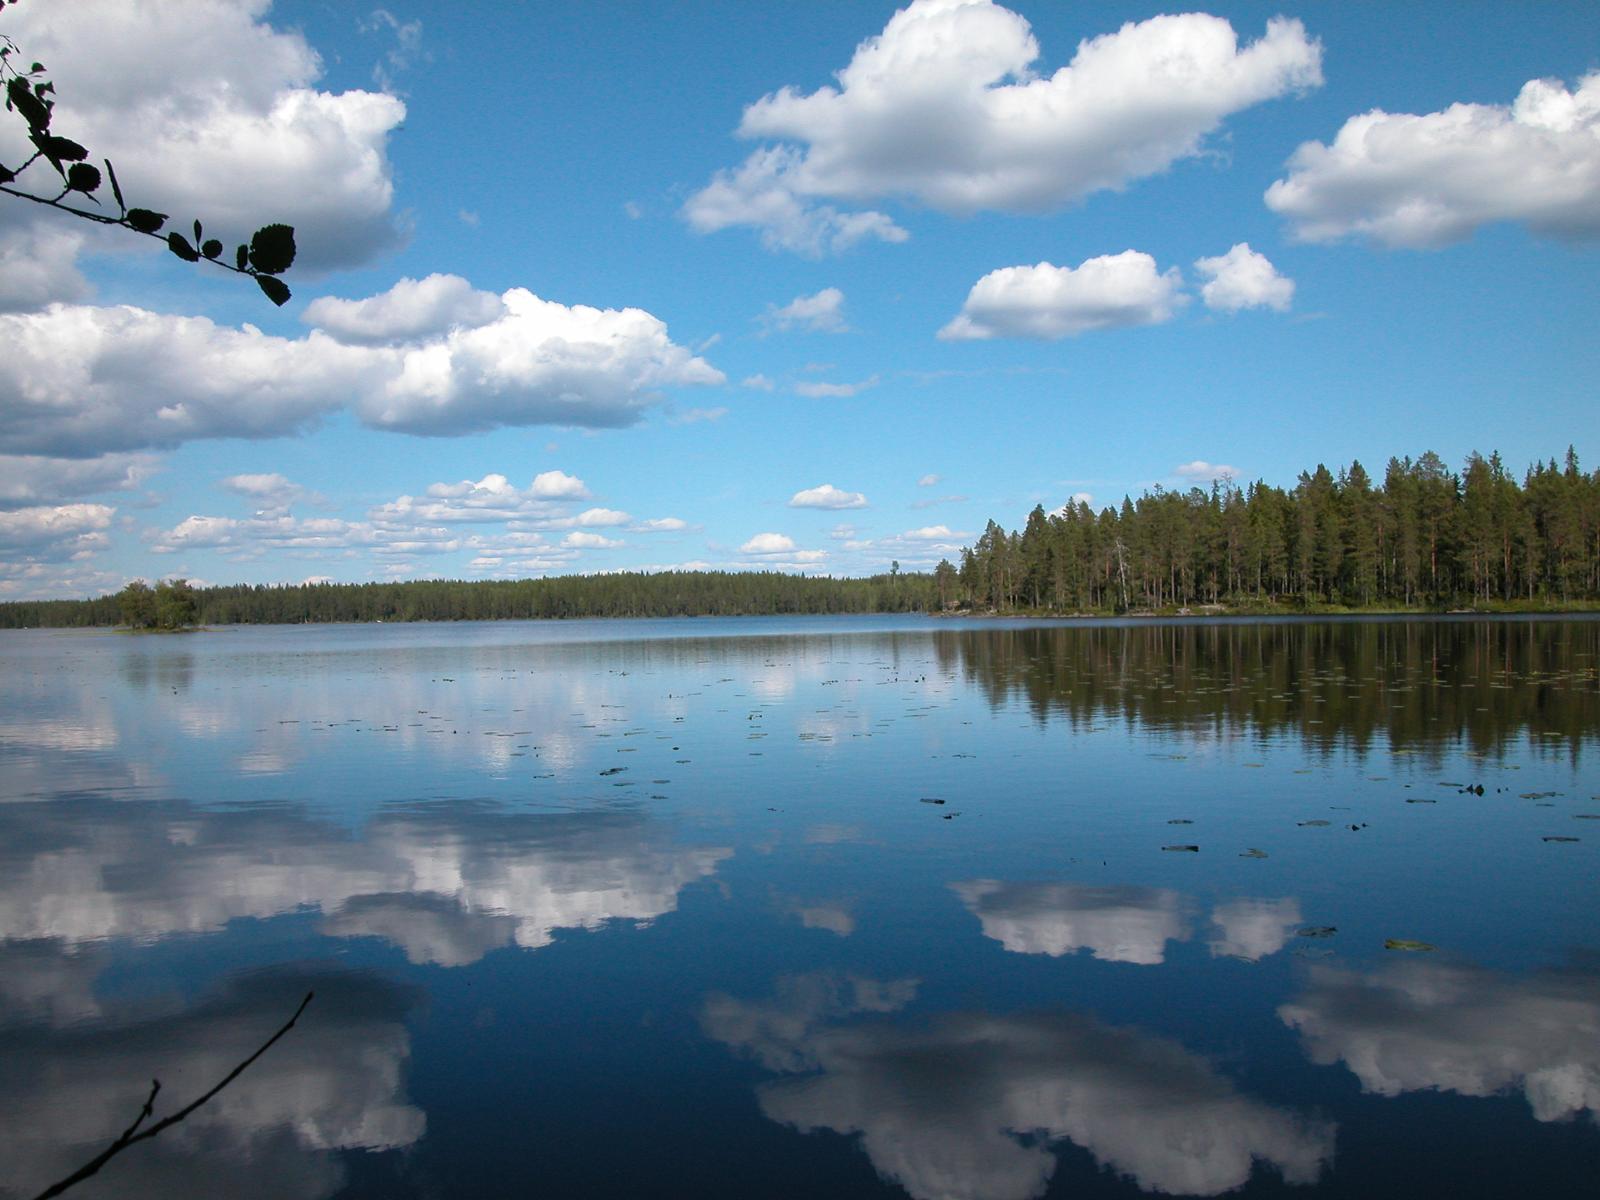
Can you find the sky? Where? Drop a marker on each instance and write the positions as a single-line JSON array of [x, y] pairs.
[[809, 287]]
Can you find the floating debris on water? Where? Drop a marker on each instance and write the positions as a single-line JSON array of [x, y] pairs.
[[1253, 853], [1317, 822], [1407, 944], [1317, 931], [1187, 849], [1556, 837]]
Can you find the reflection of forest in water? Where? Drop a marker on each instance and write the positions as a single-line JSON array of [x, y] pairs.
[[1416, 684]]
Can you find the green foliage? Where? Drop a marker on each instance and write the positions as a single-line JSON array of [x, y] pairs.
[[30, 96], [1425, 538], [171, 604]]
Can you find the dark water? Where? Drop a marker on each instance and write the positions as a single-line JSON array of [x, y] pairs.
[[669, 908]]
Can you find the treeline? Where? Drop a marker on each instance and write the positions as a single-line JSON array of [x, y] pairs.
[[1424, 537], [623, 594]]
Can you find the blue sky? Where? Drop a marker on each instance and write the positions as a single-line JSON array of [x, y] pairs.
[[602, 286]]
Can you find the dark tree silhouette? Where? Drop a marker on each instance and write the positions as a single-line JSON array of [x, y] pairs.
[[30, 95]]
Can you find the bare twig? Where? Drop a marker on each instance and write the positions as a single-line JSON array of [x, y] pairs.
[[130, 1135]]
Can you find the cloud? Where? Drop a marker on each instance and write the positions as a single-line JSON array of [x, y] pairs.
[[929, 480], [579, 540], [817, 391], [819, 313], [1117, 924], [401, 56], [1400, 179], [38, 264], [82, 381], [932, 533], [768, 543], [660, 525], [1241, 278], [1420, 1026], [550, 485], [758, 194], [1204, 472], [271, 491], [490, 499], [540, 363], [52, 534], [757, 382], [205, 109], [967, 1104], [1049, 302], [693, 416], [945, 108], [410, 310], [827, 496], [27, 480]]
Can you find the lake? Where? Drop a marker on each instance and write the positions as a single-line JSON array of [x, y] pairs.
[[806, 907]]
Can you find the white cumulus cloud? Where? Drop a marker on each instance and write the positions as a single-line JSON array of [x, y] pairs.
[[80, 381], [1050, 302], [1205, 472], [758, 193], [827, 496], [768, 543], [822, 312], [1403, 179], [411, 309], [579, 540], [1242, 278], [27, 480], [945, 108]]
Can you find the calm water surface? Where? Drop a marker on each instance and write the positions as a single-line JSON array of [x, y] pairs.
[[811, 907]]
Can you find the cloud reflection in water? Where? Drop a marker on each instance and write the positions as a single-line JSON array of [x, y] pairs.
[[335, 1082], [965, 1105], [1417, 1025], [445, 883]]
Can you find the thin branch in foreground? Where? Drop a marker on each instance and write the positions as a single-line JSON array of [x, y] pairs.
[[130, 1135]]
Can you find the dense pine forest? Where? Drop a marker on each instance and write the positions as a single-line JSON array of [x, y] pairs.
[[1424, 538]]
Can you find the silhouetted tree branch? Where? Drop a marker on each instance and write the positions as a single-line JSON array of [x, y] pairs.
[[131, 1134], [268, 254]]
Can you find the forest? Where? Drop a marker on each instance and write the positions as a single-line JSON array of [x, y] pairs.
[[1424, 538]]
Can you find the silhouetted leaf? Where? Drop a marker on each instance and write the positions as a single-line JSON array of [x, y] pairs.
[[7, 175], [277, 291], [241, 256], [179, 245], [81, 177], [34, 110], [198, 235], [116, 188], [65, 149], [272, 249], [211, 248], [145, 221]]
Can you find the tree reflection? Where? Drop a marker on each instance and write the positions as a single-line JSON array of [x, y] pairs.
[[336, 1083], [1412, 684]]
